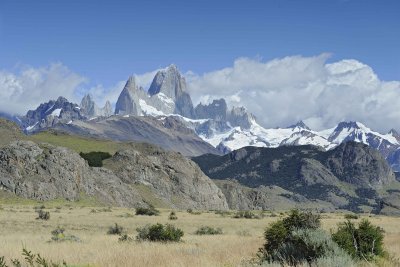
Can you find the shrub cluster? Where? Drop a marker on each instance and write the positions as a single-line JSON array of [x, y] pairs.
[[172, 216], [350, 216], [298, 239], [43, 215], [95, 159], [159, 232], [191, 211], [115, 230], [150, 211], [58, 235], [247, 214], [364, 242], [207, 230]]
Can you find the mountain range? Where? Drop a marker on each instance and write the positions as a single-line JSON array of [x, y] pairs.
[[164, 114]]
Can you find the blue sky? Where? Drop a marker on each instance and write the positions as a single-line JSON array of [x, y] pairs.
[[106, 41], [284, 60]]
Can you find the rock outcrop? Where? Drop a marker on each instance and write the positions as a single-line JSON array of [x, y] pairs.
[[45, 172]]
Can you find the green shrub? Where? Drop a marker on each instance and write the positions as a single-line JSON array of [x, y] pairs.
[[115, 230], [95, 159], [172, 216], [32, 260], [150, 211], [364, 242], [159, 232], [350, 216], [245, 214], [191, 211], [296, 239], [125, 238], [58, 235], [43, 215], [207, 230]]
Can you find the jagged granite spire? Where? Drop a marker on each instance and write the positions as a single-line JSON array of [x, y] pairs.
[[127, 101]]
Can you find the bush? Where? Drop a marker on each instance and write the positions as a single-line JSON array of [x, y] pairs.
[[43, 215], [297, 239], [125, 238], [95, 159], [151, 211], [245, 214], [207, 230], [351, 216], [190, 211], [172, 216], [115, 230], [32, 260], [159, 232], [364, 242], [58, 235]]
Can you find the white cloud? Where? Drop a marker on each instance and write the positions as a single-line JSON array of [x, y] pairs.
[[282, 91], [279, 92], [32, 86]]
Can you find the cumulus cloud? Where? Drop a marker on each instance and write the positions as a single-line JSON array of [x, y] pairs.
[[282, 91], [279, 92], [31, 86]]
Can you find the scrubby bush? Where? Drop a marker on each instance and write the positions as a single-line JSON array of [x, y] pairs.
[[150, 211], [351, 216], [245, 214], [125, 238], [172, 216], [32, 260], [298, 239], [115, 230], [95, 159], [159, 232], [207, 230], [58, 235], [43, 215], [191, 211], [364, 242]]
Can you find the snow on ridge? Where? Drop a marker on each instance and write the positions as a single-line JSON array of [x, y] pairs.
[[56, 112]]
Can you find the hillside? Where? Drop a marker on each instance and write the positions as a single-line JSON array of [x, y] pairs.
[[352, 176]]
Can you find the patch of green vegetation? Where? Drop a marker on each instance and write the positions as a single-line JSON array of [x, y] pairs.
[[32, 260], [150, 211], [207, 230], [159, 232], [76, 143], [95, 159]]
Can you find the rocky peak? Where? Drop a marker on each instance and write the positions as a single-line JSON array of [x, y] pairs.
[[127, 102], [217, 110], [168, 81], [239, 116], [90, 109], [300, 124]]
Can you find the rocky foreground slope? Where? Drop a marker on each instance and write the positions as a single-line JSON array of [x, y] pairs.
[[134, 177]]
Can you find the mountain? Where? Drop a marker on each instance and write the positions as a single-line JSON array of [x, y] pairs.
[[351, 176], [90, 109], [136, 176], [166, 95], [225, 128], [167, 132], [49, 114]]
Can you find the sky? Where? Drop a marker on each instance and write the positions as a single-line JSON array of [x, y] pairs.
[[257, 53]]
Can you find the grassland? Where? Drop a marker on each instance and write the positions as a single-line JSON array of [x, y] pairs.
[[237, 245]]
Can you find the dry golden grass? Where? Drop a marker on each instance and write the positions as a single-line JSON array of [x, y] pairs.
[[18, 229]]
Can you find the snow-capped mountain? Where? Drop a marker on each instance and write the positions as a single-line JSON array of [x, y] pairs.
[[225, 128]]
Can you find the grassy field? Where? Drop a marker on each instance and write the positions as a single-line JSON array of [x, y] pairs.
[[235, 247]]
